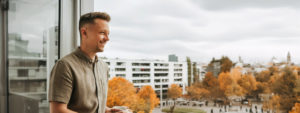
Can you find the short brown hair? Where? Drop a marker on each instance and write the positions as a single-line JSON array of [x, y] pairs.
[[89, 18]]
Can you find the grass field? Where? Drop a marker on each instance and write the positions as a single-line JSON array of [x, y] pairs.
[[184, 110]]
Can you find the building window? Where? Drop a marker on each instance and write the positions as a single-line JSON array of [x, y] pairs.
[[165, 86], [165, 80], [120, 75], [177, 74], [161, 80], [161, 64], [161, 74], [178, 80], [161, 69], [177, 65], [177, 69], [141, 81], [157, 86], [140, 64], [141, 69], [120, 69], [140, 75], [22, 72], [157, 80], [121, 64]]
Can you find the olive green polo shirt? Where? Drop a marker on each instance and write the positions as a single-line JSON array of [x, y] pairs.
[[80, 83]]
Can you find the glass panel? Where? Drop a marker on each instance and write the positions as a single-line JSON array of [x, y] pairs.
[[33, 32]]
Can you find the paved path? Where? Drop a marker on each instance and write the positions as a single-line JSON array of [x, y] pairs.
[[233, 109]]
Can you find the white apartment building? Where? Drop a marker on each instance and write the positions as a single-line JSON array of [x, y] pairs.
[[158, 74]]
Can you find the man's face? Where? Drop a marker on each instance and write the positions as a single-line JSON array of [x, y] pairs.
[[97, 35]]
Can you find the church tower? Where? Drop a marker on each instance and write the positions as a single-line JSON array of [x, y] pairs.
[[289, 58]]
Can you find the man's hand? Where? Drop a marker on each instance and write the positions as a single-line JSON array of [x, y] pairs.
[[113, 110]]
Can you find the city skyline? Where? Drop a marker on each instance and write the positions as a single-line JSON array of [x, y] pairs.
[[255, 30]]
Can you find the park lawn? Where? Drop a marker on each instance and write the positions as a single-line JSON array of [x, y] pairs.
[[184, 110]]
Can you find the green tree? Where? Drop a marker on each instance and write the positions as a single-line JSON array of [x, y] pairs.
[[195, 72], [189, 65]]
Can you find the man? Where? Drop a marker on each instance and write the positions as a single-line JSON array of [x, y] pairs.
[[78, 81]]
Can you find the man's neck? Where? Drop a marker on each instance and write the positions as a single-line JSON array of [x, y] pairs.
[[87, 52]]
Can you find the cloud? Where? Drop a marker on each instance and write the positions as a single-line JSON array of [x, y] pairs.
[[157, 28], [240, 4]]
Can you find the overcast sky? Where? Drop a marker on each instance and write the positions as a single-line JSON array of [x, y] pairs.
[[256, 30]]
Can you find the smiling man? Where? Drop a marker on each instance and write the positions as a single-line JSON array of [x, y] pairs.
[[78, 81]]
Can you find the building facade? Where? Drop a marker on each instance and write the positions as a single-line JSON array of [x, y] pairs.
[[158, 74]]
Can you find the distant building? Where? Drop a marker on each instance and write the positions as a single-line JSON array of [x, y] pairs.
[[173, 58], [289, 59], [202, 70], [158, 74], [27, 70], [214, 67]]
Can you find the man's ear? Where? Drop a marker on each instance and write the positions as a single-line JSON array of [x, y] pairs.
[[83, 31]]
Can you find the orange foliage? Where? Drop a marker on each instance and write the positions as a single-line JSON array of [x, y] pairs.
[[174, 91], [226, 82], [210, 81], [248, 83], [149, 96], [296, 108], [120, 92], [197, 93], [236, 73]]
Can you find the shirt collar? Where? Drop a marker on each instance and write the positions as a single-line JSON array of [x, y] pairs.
[[82, 55]]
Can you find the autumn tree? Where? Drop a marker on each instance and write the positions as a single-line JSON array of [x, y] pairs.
[[284, 87], [196, 92], [211, 84], [261, 88], [174, 92], [226, 64], [273, 69], [297, 89], [149, 96], [263, 76], [236, 73], [120, 93], [296, 108], [210, 81], [248, 83], [225, 82]]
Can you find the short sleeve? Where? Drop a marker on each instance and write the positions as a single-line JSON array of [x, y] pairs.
[[61, 83]]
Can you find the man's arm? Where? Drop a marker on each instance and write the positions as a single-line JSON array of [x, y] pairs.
[[60, 88], [57, 107]]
